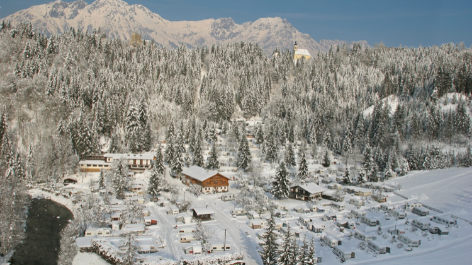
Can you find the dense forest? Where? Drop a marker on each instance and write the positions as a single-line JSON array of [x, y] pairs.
[[68, 96]]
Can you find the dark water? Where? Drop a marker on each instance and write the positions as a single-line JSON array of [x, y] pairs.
[[43, 233]]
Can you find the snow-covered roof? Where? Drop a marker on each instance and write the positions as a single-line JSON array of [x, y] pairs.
[[200, 173], [311, 187], [84, 242], [303, 52], [93, 162], [148, 155], [201, 211]]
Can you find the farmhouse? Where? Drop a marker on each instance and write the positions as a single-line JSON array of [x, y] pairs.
[[306, 191], [210, 181]]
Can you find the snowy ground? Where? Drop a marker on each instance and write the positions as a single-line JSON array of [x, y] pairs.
[[88, 259], [449, 190]]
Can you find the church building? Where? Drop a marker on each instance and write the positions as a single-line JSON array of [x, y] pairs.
[[300, 53]]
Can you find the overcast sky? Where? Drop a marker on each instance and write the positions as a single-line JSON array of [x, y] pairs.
[[394, 22]]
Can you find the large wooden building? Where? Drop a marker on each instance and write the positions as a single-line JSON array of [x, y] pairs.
[[305, 192], [136, 162], [210, 181]]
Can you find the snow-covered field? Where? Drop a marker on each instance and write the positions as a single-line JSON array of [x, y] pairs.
[[449, 190]]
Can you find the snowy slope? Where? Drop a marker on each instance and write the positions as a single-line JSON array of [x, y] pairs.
[[118, 20], [391, 101]]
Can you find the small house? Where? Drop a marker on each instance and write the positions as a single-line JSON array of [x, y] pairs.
[[115, 217], [210, 181], [444, 220], [377, 247], [203, 213], [172, 210], [216, 245], [409, 241], [420, 224], [305, 192], [421, 211], [343, 253], [256, 223]]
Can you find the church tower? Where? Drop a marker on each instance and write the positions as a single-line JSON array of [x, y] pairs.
[[295, 47]]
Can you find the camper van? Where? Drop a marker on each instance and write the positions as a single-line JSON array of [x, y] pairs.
[[187, 238], [386, 207], [420, 224], [408, 241], [338, 206], [330, 240], [398, 214], [342, 253], [378, 248], [361, 236], [443, 220], [357, 214], [238, 211], [421, 211], [369, 221]]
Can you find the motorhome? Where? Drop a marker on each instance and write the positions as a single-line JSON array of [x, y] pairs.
[[421, 211], [443, 220], [410, 242], [375, 246], [331, 241], [342, 253], [398, 214], [420, 224]]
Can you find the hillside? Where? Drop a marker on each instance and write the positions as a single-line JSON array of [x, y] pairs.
[[118, 19]]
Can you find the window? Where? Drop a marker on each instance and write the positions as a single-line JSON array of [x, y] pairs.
[[89, 165], [94, 165]]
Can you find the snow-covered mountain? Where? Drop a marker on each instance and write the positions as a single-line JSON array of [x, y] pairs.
[[118, 19]]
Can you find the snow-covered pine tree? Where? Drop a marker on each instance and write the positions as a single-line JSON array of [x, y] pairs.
[[154, 182], [270, 248], [101, 180], [285, 257], [347, 176], [120, 177], [159, 161], [281, 184], [289, 157], [213, 158], [244, 154], [369, 164], [197, 152], [130, 249], [326, 159], [302, 167]]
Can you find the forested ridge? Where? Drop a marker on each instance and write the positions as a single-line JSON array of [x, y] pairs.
[[76, 94]]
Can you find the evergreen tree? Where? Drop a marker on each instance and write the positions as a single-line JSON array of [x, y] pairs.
[[290, 156], [326, 159], [158, 162], [213, 158], [270, 248], [347, 176], [101, 180], [154, 182], [244, 154], [259, 135], [281, 184], [285, 255], [120, 177], [302, 167], [198, 153]]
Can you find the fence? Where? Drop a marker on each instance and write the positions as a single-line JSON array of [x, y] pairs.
[[431, 208], [457, 217], [398, 194]]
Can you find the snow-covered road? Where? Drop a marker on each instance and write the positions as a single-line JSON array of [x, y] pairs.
[[167, 230]]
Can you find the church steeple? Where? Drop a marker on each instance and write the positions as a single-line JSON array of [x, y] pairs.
[[295, 47]]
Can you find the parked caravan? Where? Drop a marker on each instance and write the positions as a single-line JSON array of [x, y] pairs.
[[187, 238], [342, 253], [356, 202], [239, 211], [439, 229], [338, 206], [398, 214], [370, 221], [150, 221], [303, 220], [227, 197], [186, 230], [172, 210], [421, 211], [316, 228], [330, 241], [420, 224], [357, 214], [252, 215], [410, 242], [361, 236], [386, 207], [444, 220], [378, 248]]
